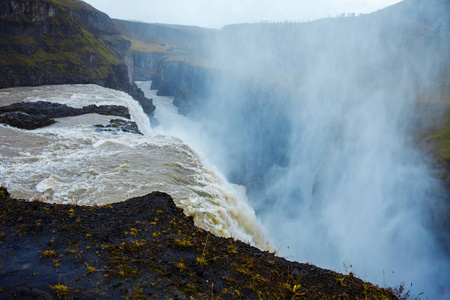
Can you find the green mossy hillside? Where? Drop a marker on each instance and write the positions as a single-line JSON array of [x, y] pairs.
[[54, 42]]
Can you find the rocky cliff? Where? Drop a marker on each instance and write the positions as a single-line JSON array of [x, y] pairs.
[[146, 65], [60, 42], [189, 84], [176, 58]]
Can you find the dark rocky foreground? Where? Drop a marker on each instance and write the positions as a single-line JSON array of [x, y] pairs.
[[32, 115], [146, 248]]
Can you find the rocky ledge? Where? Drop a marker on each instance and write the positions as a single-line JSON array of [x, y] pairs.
[[120, 125], [32, 115], [146, 248]]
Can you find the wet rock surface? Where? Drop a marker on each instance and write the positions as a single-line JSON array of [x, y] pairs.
[[23, 120], [120, 125], [32, 115], [146, 248]]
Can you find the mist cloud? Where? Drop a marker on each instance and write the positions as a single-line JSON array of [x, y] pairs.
[[316, 121]]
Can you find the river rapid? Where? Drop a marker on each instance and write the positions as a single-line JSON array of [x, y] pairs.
[[73, 162]]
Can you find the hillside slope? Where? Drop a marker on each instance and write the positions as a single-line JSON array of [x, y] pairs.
[[153, 44]]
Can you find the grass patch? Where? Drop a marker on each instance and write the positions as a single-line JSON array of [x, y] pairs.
[[48, 253], [61, 291]]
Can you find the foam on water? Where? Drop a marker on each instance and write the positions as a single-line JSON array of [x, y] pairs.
[[78, 95], [73, 162]]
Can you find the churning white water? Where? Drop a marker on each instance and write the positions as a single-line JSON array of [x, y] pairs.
[[73, 162]]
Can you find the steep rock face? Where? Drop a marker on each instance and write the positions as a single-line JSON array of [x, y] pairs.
[[45, 40], [189, 84], [61, 42], [146, 65], [128, 59], [174, 76], [174, 57]]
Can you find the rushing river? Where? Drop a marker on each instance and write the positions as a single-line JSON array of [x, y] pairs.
[[73, 162]]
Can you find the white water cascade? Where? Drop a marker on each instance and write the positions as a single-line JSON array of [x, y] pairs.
[[73, 162]]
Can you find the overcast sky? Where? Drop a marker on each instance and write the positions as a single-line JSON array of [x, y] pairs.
[[217, 13]]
